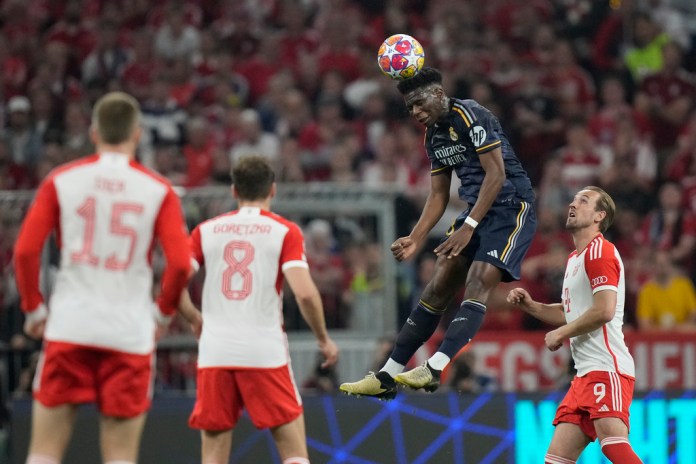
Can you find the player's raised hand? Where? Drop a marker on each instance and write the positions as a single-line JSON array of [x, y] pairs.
[[403, 248], [455, 243], [330, 352], [519, 296]]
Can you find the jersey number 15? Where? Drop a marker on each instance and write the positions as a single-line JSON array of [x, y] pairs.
[[86, 255]]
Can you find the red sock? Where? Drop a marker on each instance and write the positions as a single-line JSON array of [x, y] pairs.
[[552, 459], [619, 450]]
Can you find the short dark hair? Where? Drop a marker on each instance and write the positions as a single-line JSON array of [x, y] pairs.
[[425, 77], [604, 203], [115, 117], [253, 178]]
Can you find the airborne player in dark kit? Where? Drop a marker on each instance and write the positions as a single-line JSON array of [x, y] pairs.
[[485, 244]]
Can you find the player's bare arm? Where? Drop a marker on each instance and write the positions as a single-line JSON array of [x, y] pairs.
[[602, 311], [309, 301], [492, 163], [549, 313], [435, 205]]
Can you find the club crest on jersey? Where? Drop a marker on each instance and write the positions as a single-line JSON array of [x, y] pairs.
[[478, 135], [453, 134]]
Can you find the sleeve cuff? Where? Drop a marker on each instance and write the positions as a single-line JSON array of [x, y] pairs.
[[38, 314]]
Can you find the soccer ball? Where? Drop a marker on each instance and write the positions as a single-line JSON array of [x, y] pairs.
[[400, 57]]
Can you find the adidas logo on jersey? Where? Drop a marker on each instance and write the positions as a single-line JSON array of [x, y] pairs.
[[604, 408], [493, 253]]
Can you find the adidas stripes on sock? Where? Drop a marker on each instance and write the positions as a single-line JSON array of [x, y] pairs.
[[463, 327], [41, 459], [619, 450], [296, 461], [553, 459]]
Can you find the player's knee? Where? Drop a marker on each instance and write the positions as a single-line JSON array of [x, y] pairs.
[[477, 289]]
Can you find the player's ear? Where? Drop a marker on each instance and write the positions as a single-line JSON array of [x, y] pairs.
[[272, 193], [94, 135], [600, 216], [137, 133], [234, 191]]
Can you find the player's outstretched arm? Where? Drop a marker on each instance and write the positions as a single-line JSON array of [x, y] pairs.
[[435, 205], [309, 300], [550, 313]]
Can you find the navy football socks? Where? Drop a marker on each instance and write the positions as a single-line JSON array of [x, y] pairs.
[[417, 329], [463, 327]]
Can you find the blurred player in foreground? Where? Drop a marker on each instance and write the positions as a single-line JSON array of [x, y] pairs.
[[591, 317], [243, 359], [485, 244], [99, 327]]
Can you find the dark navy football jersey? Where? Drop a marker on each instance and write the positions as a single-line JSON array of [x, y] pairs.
[[472, 131]]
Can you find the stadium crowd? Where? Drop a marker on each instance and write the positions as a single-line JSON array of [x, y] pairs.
[[591, 92]]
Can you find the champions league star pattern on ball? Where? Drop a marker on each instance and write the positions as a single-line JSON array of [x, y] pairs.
[[400, 56]]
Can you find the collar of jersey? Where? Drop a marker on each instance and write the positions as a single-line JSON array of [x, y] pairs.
[[114, 157], [250, 210]]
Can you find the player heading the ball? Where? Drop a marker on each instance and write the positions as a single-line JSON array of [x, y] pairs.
[[485, 244]]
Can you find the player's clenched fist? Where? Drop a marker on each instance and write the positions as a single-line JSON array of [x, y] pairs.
[[519, 297], [403, 248]]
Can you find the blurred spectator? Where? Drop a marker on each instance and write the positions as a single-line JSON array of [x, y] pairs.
[[316, 137], [670, 228], [108, 60], [296, 38], [170, 163], [570, 84], [609, 41], [388, 168], [182, 87], [581, 160], [45, 110], [645, 57], [671, 21], [76, 130], [199, 152], [13, 69], [668, 300], [631, 160], [536, 122], [13, 176], [328, 270], [175, 38], [22, 136], [253, 140], [343, 160], [163, 120], [667, 97], [614, 108], [554, 195], [144, 66]]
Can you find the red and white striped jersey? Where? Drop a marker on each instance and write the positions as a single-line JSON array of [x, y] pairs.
[[597, 268], [245, 253], [106, 211]]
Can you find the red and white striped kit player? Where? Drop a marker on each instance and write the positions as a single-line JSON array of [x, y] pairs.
[[596, 268], [107, 212], [245, 253]]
